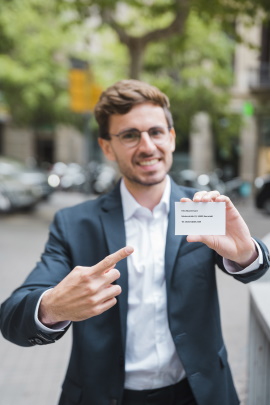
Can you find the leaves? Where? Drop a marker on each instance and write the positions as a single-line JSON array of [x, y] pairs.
[[33, 59], [193, 62]]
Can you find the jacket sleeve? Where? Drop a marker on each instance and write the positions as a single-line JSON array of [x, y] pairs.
[[252, 275], [17, 321]]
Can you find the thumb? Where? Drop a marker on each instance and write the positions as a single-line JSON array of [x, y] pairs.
[[206, 239], [194, 238]]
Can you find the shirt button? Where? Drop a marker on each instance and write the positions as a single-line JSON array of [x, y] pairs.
[[38, 341]]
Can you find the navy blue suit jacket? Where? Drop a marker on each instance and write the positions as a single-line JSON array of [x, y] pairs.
[[83, 235]]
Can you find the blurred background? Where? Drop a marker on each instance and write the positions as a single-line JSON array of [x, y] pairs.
[[212, 58]]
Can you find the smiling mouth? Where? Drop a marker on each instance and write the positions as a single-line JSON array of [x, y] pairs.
[[149, 162]]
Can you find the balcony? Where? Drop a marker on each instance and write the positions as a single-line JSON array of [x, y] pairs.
[[259, 79]]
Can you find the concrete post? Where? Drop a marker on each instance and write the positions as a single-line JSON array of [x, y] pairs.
[[69, 145], [248, 150], [18, 142], [201, 144]]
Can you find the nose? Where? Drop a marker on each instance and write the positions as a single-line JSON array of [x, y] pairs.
[[146, 143]]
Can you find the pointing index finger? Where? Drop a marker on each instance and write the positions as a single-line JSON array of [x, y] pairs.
[[111, 260]]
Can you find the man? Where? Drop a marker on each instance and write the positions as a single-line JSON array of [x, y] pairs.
[[160, 341]]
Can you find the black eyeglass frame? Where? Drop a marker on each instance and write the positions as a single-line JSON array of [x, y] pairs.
[[126, 131]]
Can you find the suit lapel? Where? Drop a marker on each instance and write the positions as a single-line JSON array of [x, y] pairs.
[[114, 231], [173, 241]]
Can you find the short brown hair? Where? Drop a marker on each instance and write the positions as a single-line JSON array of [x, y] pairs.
[[121, 97]]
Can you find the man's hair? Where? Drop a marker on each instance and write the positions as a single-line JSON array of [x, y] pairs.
[[121, 97]]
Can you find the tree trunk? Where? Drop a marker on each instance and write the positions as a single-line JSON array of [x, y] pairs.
[[136, 53], [137, 45]]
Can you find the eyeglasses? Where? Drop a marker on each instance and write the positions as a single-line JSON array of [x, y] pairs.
[[132, 137]]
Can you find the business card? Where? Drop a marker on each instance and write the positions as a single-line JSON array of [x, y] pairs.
[[200, 218]]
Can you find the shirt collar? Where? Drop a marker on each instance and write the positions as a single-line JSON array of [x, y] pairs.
[[130, 205]]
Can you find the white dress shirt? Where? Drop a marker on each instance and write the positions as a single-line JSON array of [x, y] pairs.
[[151, 358]]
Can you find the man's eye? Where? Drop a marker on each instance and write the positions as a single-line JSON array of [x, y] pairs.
[[129, 136], [156, 131]]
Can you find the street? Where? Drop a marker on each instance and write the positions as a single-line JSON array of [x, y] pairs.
[[30, 376]]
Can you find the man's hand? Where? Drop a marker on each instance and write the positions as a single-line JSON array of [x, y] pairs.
[[85, 292], [237, 245]]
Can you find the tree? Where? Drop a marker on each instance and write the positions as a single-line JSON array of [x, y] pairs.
[[196, 72], [34, 50], [139, 23], [38, 37]]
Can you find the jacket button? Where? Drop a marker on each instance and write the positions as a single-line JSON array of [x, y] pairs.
[[38, 341]]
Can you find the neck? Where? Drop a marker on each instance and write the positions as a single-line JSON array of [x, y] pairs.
[[146, 196]]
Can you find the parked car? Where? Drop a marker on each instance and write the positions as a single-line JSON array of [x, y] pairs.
[[235, 188], [206, 181], [15, 195], [32, 178], [100, 177], [262, 193], [95, 177], [69, 176]]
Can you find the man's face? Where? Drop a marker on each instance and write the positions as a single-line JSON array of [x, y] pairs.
[[146, 163]]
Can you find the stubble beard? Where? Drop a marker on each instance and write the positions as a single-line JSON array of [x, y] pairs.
[[132, 178], [146, 182]]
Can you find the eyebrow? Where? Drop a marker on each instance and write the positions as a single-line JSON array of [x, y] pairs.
[[136, 129], [128, 129]]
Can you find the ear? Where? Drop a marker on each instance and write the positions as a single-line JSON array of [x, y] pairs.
[[172, 139], [106, 147]]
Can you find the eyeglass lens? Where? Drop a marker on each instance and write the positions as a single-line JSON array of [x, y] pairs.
[[133, 136]]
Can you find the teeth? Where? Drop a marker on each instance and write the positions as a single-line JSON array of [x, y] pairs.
[[149, 162]]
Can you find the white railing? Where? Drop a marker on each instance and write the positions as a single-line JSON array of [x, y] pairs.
[[259, 342]]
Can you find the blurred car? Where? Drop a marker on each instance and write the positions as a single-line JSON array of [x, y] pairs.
[[32, 178], [100, 177], [262, 193], [235, 188], [206, 181], [95, 177], [15, 195], [69, 176]]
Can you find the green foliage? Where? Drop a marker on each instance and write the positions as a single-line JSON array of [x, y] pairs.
[[195, 70], [108, 59], [33, 61], [140, 16]]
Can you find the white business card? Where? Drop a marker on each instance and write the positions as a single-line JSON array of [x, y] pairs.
[[200, 218]]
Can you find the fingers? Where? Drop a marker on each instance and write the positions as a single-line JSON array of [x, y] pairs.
[[185, 200], [110, 276], [86, 291], [106, 305], [111, 291], [207, 239], [206, 196], [110, 261], [103, 299], [224, 198]]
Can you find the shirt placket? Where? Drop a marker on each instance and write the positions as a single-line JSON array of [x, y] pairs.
[[159, 290]]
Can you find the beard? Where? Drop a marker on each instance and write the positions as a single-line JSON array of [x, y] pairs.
[[145, 182], [148, 179]]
